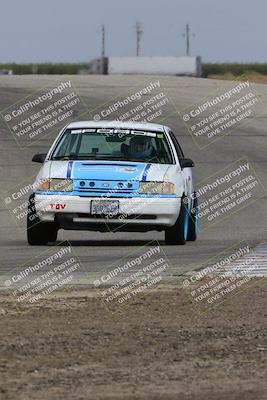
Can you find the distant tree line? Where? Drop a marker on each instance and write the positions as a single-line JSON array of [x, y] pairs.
[[47, 68], [235, 69], [72, 69]]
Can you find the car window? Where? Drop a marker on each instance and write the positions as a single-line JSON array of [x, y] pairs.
[[107, 144], [177, 146], [67, 145], [93, 143]]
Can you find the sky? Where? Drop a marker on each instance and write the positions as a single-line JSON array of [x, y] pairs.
[[70, 30]]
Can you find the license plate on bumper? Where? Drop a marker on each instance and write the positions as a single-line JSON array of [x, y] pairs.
[[104, 207]]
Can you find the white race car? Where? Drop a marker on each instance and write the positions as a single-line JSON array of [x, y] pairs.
[[112, 176]]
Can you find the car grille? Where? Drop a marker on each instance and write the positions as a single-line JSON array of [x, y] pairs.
[[112, 188]]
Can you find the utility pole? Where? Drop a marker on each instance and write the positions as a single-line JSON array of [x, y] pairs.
[[187, 36], [187, 32], [139, 32], [103, 51], [103, 41]]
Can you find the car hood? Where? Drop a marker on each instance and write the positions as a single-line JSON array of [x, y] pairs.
[[108, 170]]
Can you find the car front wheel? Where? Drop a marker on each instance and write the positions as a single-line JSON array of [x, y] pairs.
[[177, 234], [193, 221], [39, 233]]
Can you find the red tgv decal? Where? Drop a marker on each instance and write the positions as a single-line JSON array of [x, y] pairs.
[[57, 206]]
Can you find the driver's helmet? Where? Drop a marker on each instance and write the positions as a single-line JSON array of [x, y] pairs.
[[140, 147]]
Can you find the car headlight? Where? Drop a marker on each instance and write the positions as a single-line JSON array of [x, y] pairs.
[[56, 185], [157, 188]]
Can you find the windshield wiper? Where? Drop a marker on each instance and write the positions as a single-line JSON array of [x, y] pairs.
[[65, 158], [102, 157], [71, 156], [90, 156], [117, 158]]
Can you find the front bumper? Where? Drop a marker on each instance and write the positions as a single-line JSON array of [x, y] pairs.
[[135, 214]]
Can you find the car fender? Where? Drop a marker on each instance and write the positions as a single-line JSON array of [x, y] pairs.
[[189, 185], [175, 175]]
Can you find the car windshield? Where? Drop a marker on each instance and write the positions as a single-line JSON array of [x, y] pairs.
[[113, 144]]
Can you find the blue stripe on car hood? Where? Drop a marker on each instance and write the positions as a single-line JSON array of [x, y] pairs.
[[69, 169], [144, 177], [109, 170]]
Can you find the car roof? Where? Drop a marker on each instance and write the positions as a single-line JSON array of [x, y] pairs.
[[117, 124]]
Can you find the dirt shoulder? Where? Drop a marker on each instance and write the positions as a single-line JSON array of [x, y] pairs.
[[72, 347]]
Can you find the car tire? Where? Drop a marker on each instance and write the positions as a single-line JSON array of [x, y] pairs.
[[177, 234], [39, 233], [193, 221]]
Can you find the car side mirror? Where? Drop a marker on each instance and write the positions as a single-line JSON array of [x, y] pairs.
[[39, 158], [186, 163]]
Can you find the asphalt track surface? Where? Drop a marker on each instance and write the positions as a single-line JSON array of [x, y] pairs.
[[98, 250]]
